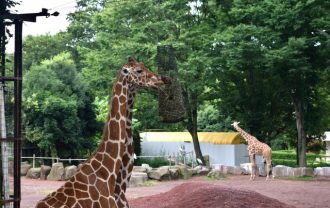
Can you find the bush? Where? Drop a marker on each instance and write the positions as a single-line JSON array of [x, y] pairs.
[[154, 162]]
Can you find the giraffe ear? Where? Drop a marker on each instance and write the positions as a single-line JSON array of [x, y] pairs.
[[131, 60]]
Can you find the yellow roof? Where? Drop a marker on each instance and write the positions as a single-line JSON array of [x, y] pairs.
[[207, 137]]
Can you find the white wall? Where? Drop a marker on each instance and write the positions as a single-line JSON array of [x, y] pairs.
[[232, 155]]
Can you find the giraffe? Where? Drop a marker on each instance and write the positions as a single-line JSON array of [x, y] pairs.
[[255, 147], [102, 179]]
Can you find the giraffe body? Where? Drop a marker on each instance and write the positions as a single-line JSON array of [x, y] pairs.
[[255, 147], [103, 178]]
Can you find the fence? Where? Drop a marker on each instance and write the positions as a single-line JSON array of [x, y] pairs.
[[183, 157]]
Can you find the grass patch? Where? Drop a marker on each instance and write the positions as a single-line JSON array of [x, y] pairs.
[[301, 178], [218, 176], [148, 183]]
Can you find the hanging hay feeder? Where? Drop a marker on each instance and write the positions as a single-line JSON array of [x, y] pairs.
[[170, 99]]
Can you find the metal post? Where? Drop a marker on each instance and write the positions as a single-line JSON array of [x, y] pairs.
[[17, 112]]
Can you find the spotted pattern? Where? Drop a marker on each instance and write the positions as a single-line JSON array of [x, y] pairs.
[[102, 180], [255, 147]]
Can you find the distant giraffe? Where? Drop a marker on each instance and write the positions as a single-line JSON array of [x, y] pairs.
[[103, 178], [255, 147]]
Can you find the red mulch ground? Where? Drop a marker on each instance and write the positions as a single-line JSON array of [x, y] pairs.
[[205, 195]]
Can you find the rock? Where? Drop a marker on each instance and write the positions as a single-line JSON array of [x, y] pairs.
[[44, 171], [25, 166], [322, 171], [174, 173], [202, 170], [161, 173], [140, 169], [70, 171], [246, 168], [33, 173], [57, 172], [138, 178], [282, 171], [302, 171]]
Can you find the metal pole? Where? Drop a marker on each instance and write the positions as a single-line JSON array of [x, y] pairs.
[[17, 112]]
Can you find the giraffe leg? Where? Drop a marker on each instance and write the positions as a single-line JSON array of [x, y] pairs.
[[269, 167], [253, 167]]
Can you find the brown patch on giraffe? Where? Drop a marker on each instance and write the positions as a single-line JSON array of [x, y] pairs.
[[87, 170], [69, 191], [51, 201], [117, 116], [123, 186], [80, 186], [85, 203], [95, 164], [104, 202], [122, 99], [81, 194], [102, 173], [96, 205], [102, 187], [108, 162], [70, 201], [112, 180], [99, 157], [102, 147], [60, 197], [112, 149], [125, 158], [114, 130], [114, 107], [118, 89], [94, 193], [123, 109], [92, 179], [124, 90], [81, 177]]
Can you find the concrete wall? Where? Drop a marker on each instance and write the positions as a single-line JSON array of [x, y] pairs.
[[231, 155]]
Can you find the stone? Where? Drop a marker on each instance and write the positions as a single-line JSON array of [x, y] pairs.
[[303, 171], [174, 173], [25, 166], [216, 174], [140, 169], [161, 173], [282, 171], [246, 168], [33, 173], [70, 171], [138, 178], [44, 171], [322, 171], [57, 172]]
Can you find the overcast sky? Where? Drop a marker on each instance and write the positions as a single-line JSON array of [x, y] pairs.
[[43, 25]]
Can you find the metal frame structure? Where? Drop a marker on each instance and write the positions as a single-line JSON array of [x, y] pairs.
[[17, 20]]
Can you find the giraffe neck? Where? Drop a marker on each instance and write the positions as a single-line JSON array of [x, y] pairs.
[[244, 134]]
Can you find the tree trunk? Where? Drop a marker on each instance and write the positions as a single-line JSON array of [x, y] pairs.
[[191, 108], [300, 123]]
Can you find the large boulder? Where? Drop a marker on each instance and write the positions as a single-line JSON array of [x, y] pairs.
[[33, 173], [202, 170], [216, 174], [161, 173], [144, 168], [69, 171], [282, 171], [44, 171], [57, 172], [322, 171], [25, 166], [303, 171], [138, 178]]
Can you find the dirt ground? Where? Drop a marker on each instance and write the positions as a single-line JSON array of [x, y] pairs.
[[197, 192]]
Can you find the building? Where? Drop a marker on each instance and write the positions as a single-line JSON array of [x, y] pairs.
[[327, 141], [226, 148]]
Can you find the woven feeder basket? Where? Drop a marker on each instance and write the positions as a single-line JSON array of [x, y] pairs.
[[170, 99]]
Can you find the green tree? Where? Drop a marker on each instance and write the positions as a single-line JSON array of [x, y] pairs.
[[277, 51], [58, 110], [42, 47]]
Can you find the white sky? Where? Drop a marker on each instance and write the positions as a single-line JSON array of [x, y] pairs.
[[43, 25]]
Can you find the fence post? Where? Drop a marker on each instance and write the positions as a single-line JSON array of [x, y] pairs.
[[34, 161]]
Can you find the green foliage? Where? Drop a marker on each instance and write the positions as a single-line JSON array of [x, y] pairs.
[[154, 162], [58, 110]]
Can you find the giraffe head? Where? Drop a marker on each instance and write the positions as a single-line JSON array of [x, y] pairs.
[[235, 123], [140, 76]]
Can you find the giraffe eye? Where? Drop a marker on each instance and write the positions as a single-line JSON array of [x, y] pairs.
[[139, 71], [125, 71]]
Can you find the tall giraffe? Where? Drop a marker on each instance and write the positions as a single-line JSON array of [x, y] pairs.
[[255, 147], [102, 179]]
